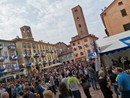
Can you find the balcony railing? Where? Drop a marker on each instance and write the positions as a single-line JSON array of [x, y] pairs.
[[43, 54], [26, 55], [14, 57], [38, 63], [44, 62], [36, 54]]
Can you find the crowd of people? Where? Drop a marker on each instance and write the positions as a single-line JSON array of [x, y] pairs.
[[66, 80]]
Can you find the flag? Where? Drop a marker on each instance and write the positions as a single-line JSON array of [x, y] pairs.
[[2, 70], [29, 64], [14, 57]]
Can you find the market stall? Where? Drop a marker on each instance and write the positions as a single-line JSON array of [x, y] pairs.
[[114, 48]]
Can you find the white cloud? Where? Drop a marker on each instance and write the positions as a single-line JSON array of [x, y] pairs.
[[50, 20]]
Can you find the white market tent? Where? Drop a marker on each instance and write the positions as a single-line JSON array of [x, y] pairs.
[[113, 43], [114, 46]]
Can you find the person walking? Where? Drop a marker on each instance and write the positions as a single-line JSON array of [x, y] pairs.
[[28, 93], [64, 92], [5, 95], [113, 82], [48, 94], [92, 76], [52, 82], [39, 89], [104, 85], [123, 82], [73, 84], [85, 84]]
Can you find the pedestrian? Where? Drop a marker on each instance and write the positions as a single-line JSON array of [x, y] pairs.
[[64, 92], [85, 85], [2, 90], [28, 93], [5, 95], [105, 85], [52, 82], [65, 78], [21, 94], [73, 84], [48, 94], [92, 76], [124, 82], [113, 82], [11, 91], [39, 89]]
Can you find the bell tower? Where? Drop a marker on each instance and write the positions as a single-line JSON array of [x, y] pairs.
[[79, 20], [26, 33]]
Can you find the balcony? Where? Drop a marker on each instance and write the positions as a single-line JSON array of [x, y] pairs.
[[26, 55], [50, 61], [43, 54], [51, 51], [14, 57], [37, 63], [11, 47], [2, 70], [47, 51], [44, 62], [29, 64], [36, 55], [2, 58]]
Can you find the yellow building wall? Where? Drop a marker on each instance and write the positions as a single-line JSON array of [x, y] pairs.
[[39, 47]]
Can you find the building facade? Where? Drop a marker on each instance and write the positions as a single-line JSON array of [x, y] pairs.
[[36, 54], [66, 55], [116, 17], [61, 46], [79, 20], [82, 44], [8, 57], [26, 32]]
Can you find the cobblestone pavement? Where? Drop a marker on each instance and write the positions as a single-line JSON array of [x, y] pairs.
[[94, 93]]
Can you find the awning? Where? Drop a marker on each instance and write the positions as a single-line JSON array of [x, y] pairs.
[[53, 65], [79, 58], [114, 43]]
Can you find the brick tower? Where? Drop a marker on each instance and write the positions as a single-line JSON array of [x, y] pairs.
[[26, 33], [79, 20]]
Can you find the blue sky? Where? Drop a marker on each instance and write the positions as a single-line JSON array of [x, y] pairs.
[[50, 20]]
